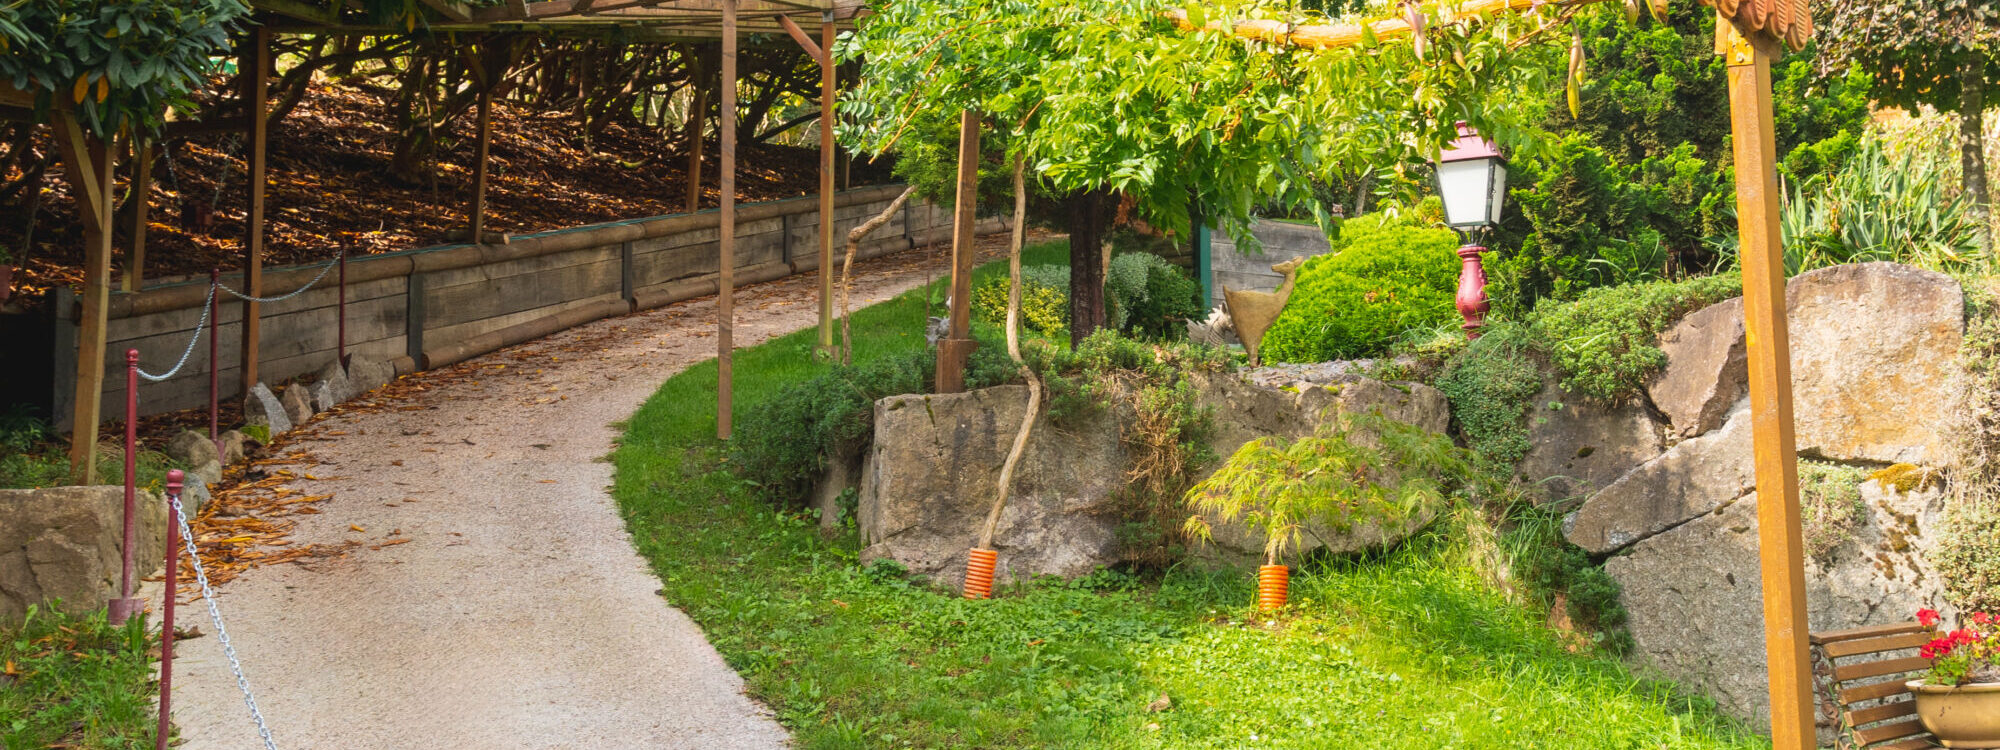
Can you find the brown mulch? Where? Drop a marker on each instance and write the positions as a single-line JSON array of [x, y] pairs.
[[329, 176]]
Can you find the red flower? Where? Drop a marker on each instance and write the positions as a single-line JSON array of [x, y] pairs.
[[1981, 618], [1928, 617], [1936, 648]]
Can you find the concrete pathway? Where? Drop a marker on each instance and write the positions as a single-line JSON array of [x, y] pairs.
[[518, 614]]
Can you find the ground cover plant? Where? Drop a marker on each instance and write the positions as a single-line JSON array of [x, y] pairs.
[[1408, 648], [76, 681]]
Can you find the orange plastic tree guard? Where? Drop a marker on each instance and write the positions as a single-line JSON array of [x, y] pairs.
[[1274, 584], [979, 573]]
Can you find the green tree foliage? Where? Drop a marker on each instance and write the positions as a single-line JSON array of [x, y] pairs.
[[117, 63], [1384, 276]]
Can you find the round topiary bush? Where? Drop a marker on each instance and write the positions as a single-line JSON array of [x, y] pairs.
[[1384, 277]]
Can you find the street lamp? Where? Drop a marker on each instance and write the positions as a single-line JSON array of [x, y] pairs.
[[1472, 180]]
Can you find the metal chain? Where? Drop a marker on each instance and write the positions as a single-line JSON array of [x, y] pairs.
[[280, 298], [189, 351], [221, 633]]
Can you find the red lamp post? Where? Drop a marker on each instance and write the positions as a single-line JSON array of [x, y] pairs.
[[1472, 181]]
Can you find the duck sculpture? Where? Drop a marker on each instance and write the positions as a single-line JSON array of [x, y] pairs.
[[1253, 312]]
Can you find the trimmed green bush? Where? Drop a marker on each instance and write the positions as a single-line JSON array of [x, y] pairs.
[[1151, 297], [1044, 300], [1384, 277]]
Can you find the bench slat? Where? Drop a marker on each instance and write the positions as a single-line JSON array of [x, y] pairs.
[[1860, 646], [1853, 695], [1871, 631], [1884, 712], [1879, 668], [1913, 743], [1889, 731]]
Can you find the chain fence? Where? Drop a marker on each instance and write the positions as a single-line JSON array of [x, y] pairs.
[[221, 631]]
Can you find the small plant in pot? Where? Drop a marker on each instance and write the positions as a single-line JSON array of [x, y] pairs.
[[1958, 700], [1353, 471]]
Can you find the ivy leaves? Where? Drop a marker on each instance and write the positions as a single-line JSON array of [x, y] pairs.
[[116, 63]]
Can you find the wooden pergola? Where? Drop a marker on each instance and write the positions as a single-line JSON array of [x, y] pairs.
[[90, 161]]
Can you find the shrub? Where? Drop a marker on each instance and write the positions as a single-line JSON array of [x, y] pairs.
[[1489, 384], [1881, 206], [1044, 300], [1576, 202], [1384, 277], [1829, 504], [1604, 341], [1151, 297], [1967, 555]]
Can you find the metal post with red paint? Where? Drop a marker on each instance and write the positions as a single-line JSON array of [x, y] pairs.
[[341, 305], [174, 479], [126, 605], [1472, 303]]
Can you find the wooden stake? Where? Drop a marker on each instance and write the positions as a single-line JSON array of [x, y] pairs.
[[1780, 541], [725, 312], [957, 345], [88, 167], [256, 62], [826, 84], [479, 166], [142, 191], [697, 114]]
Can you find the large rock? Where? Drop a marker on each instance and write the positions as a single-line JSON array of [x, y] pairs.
[[367, 373], [1577, 446], [332, 387], [1690, 479], [1706, 372], [928, 482], [63, 543], [1695, 597], [235, 446], [192, 448], [264, 406], [298, 404], [1874, 361]]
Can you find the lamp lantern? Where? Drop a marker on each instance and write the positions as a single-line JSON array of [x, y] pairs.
[[1472, 182]]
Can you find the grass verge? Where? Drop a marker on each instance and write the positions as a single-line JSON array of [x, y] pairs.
[[76, 681], [1407, 649]]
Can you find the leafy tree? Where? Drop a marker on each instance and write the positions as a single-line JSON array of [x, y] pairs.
[[116, 63], [1939, 53]]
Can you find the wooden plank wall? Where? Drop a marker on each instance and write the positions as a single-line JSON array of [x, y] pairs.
[[615, 261], [1252, 271]]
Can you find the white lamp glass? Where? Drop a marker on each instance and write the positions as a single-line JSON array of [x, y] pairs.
[[1464, 187], [1499, 192]]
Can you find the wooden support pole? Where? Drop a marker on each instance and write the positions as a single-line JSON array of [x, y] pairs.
[[697, 116], [725, 308], [1781, 550], [88, 168], [142, 193], [479, 165], [256, 64], [826, 187], [957, 345]]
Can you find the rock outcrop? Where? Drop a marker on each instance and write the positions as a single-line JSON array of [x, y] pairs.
[[1577, 446], [1874, 361], [1707, 371], [63, 543], [1688, 480]]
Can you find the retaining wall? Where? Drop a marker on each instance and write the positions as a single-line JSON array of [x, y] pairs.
[[435, 306]]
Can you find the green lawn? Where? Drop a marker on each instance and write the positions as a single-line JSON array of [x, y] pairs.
[[1407, 650], [76, 682]]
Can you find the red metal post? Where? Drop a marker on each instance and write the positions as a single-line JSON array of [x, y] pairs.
[[174, 478], [1472, 304], [214, 417], [342, 304], [126, 605]]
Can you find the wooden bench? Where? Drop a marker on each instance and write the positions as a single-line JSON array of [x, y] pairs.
[[1860, 674]]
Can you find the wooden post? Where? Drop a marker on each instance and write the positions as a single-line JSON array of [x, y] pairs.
[[256, 66], [697, 114], [479, 166], [88, 168], [826, 186], [957, 345], [725, 312], [142, 190], [1780, 541]]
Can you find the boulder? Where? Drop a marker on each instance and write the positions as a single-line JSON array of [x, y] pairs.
[[332, 387], [928, 481], [264, 406], [234, 446], [1694, 594], [192, 448], [297, 403], [1688, 480], [365, 374], [1874, 361], [207, 473], [62, 543], [1577, 446], [1706, 372]]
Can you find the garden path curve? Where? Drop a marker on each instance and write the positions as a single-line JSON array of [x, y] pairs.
[[517, 615]]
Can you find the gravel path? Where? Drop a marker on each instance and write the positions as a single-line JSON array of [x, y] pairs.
[[517, 615]]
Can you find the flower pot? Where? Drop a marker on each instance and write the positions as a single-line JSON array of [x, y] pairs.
[[979, 573], [1273, 586], [1963, 716]]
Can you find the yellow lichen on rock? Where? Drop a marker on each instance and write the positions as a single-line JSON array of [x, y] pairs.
[[1907, 477]]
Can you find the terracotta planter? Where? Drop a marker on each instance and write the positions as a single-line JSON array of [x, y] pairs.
[[1273, 587], [1966, 716]]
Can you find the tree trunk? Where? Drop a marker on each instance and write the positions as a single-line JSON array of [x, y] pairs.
[[1084, 217], [1972, 144]]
